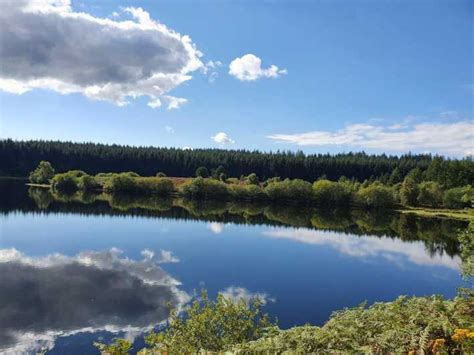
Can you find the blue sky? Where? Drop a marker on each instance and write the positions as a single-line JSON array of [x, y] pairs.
[[379, 76]]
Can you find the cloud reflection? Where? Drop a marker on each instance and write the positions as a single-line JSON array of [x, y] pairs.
[[393, 250], [55, 295]]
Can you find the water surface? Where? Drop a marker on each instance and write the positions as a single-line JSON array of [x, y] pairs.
[[76, 269]]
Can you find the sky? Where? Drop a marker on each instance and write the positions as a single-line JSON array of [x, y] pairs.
[[318, 76]]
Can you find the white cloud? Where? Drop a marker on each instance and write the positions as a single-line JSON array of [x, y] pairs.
[[216, 227], [249, 68], [47, 45], [456, 139], [167, 256], [222, 138], [394, 250], [169, 129], [211, 69], [240, 293], [80, 287]]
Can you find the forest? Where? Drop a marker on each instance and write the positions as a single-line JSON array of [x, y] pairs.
[[18, 158]]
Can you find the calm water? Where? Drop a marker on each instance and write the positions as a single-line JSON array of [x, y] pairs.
[[77, 269]]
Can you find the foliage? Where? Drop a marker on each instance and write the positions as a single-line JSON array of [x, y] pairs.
[[287, 190], [404, 325], [42, 174], [409, 192], [330, 192], [204, 188], [375, 195], [211, 326], [466, 239], [246, 192], [66, 182], [17, 158], [458, 197], [252, 179], [430, 194], [202, 172], [128, 184], [87, 183], [118, 347]]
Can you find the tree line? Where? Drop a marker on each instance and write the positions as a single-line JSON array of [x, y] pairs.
[[19, 158]]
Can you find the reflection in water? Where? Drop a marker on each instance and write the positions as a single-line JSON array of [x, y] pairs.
[[241, 293], [43, 298], [56, 295], [394, 250], [438, 235]]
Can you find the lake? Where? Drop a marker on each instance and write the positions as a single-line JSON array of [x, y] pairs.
[[77, 269]]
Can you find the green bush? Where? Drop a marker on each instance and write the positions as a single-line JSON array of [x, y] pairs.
[[42, 174], [458, 197], [375, 195], [246, 192], [202, 172], [87, 183], [290, 190], [210, 326], [408, 324], [125, 183], [409, 192], [330, 192], [430, 194], [204, 188], [252, 179], [66, 182]]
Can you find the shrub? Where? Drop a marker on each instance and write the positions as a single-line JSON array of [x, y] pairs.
[[330, 192], [252, 179], [87, 183], [458, 197], [124, 183], [410, 325], [65, 182], [409, 192], [211, 326], [246, 192], [204, 188], [160, 174], [202, 172], [296, 190], [375, 195], [430, 194], [42, 174]]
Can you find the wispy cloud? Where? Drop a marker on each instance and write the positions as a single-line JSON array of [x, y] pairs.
[[393, 250], [455, 138], [249, 68], [236, 294]]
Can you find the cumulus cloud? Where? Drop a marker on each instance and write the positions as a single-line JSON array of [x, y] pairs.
[[222, 138], [45, 44], [249, 68], [216, 227], [394, 250], [84, 293], [169, 129], [167, 256], [456, 139], [237, 294]]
